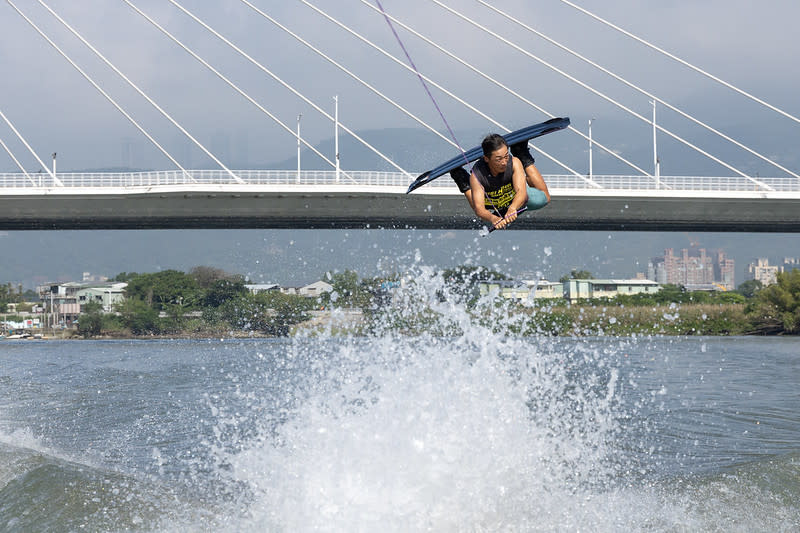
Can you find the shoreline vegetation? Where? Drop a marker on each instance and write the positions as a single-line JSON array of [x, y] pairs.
[[209, 303]]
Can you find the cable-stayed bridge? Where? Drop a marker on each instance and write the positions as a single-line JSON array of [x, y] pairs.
[[477, 76], [316, 199]]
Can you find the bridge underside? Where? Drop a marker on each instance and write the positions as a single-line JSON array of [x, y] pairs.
[[570, 210]]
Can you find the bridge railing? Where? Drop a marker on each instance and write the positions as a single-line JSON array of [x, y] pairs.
[[100, 180], [677, 183]]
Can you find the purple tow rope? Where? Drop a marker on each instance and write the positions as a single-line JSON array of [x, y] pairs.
[[427, 90], [523, 208]]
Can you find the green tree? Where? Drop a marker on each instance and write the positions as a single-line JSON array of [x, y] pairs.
[[288, 311], [9, 295], [749, 288], [138, 317], [348, 291], [163, 289], [207, 276], [576, 274], [90, 322], [271, 312], [728, 297], [379, 289], [30, 295], [124, 277], [174, 320], [465, 275], [222, 290], [462, 281], [776, 309]]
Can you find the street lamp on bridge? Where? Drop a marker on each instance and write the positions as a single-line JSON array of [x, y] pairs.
[[590, 147], [298, 146]]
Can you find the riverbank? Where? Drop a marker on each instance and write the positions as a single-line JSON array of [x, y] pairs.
[[574, 320], [673, 319]]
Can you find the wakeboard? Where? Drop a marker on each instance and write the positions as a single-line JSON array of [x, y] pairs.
[[524, 134]]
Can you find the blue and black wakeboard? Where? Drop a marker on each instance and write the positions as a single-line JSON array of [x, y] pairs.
[[524, 134]]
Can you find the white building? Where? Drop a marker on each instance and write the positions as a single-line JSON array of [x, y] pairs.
[[262, 287], [762, 271], [315, 289], [106, 294], [546, 289], [64, 301], [312, 290], [578, 289], [521, 290]]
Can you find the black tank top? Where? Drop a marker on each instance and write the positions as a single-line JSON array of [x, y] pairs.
[[499, 188]]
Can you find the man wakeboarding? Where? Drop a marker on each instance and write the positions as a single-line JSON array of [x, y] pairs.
[[506, 179]]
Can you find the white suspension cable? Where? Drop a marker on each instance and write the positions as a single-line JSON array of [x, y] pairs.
[[683, 62], [427, 79], [507, 89], [142, 93], [346, 71], [10, 153], [600, 94], [100, 89], [57, 182], [226, 80], [636, 88], [289, 87]]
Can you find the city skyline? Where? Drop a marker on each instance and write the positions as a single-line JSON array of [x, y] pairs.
[[694, 267], [281, 256]]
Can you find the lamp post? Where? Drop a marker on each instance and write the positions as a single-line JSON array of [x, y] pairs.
[[590, 147], [656, 162], [54, 164], [298, 146], [336, 133]]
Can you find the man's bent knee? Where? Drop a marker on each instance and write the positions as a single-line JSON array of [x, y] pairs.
[[536, 199]]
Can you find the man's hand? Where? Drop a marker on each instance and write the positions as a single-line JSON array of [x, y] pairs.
[[502, 223]]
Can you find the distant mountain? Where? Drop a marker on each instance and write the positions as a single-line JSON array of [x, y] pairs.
[[411, 149], [418, 150]]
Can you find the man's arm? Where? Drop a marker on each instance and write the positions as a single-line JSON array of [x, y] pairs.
[[461, 178], [477, 202], [520, 191]]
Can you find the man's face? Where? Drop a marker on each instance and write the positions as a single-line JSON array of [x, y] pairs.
[[497, 160]]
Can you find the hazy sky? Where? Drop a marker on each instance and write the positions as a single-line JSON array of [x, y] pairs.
[[752, 45]]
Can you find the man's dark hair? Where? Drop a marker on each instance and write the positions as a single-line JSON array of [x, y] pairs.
[[492, 142]]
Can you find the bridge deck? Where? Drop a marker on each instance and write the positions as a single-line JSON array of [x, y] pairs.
[[162, 200]]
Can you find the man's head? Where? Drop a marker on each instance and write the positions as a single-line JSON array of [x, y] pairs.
[[495, 152]]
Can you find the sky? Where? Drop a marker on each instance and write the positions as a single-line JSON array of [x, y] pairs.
[[751, 45], [748, 44]]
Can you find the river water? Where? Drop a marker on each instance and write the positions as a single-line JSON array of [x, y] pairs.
[[477, 432]]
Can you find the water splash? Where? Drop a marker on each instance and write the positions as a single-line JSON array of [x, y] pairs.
[[461, 426]]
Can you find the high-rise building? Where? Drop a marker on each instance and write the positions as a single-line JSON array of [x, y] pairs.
[[725, 271], [790, 263], [762, 271], [693, 268]]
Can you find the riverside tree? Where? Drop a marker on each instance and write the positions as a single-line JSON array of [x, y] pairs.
[[164, 290], [90, 322], [9, 295], [775, 310], [272, 312], [749, 288]]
